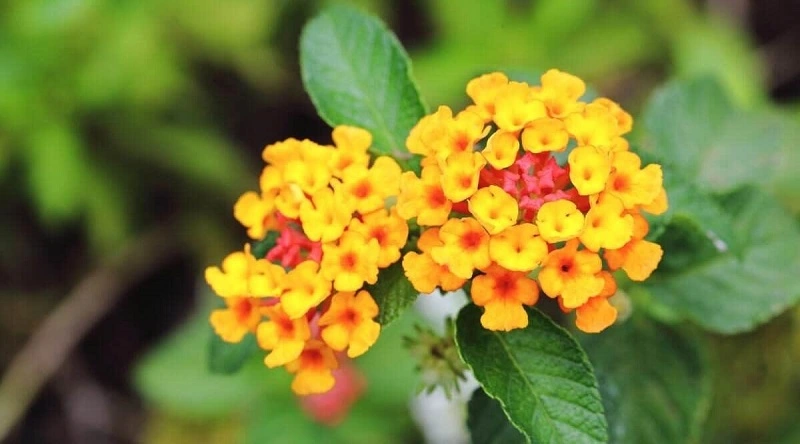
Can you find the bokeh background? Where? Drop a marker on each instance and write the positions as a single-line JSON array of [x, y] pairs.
[[129, 127]]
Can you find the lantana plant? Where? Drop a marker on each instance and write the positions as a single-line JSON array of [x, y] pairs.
[[531, 194]]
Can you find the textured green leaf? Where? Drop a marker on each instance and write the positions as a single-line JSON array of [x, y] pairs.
[[733, 293], [357, 73], [654, 381], [226, 358], [705, 139], [695, 222], [540, 376], [487, 422], [393, 292]]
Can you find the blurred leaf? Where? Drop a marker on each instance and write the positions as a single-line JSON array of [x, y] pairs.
[[540, 375], [711, 47], [393, 292], [694, 126], [357, 73], [735, 293], [56, 162], [683, 120], [107, 210], [114, 72], [219, 29], [487, 422], [225, 358], [198, 155], [655, 382], [175, 377]]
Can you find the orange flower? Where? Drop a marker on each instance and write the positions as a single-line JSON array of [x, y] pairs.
[[571, 275], [503, 293], [313, 369], [351, 262], [348, 323], [234, 322], [285, 337], [465, 247], [425, 274]]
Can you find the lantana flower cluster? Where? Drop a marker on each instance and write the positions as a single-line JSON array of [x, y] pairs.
[[527, 189], [305, 300]]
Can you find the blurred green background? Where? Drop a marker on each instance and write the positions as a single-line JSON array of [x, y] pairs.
[[129, 127]]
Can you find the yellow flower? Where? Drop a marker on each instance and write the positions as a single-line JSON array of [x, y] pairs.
[[595, 126], [624, 120], [313, 369], [559, 220], [306, 288], [234, 322], [429, 134], [502, 293], [638, 258], [516, 106], [501, 149], [285, 337], [572, 275], [659, 205], [495, 209], [589, 169], [483, 91], [632, 184], [518, 248], [311, 176], [256, 210], [560, 92], [545, 134], [280, 153], [460, 174], [289, 200], [389, 229], [351, 262], [327, 218], [348, 323], [369, 188], [424, 197], [607, 225], [465, 247], [351, 149], [425, 274], [244, 275]]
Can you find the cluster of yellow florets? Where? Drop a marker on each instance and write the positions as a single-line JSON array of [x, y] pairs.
[[497, 201], [325, 207]]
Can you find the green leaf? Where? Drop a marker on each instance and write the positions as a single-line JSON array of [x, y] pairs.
[[225, 358], [57, 163], [654, 381], [734, 293], [174, 377], [705, 139], [393, 292], [488, 424], [261, 247], [695, 223], [683, 120], [540, 376], [357, 73]]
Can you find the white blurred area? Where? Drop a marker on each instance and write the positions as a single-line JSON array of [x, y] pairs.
[[442, 420]]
